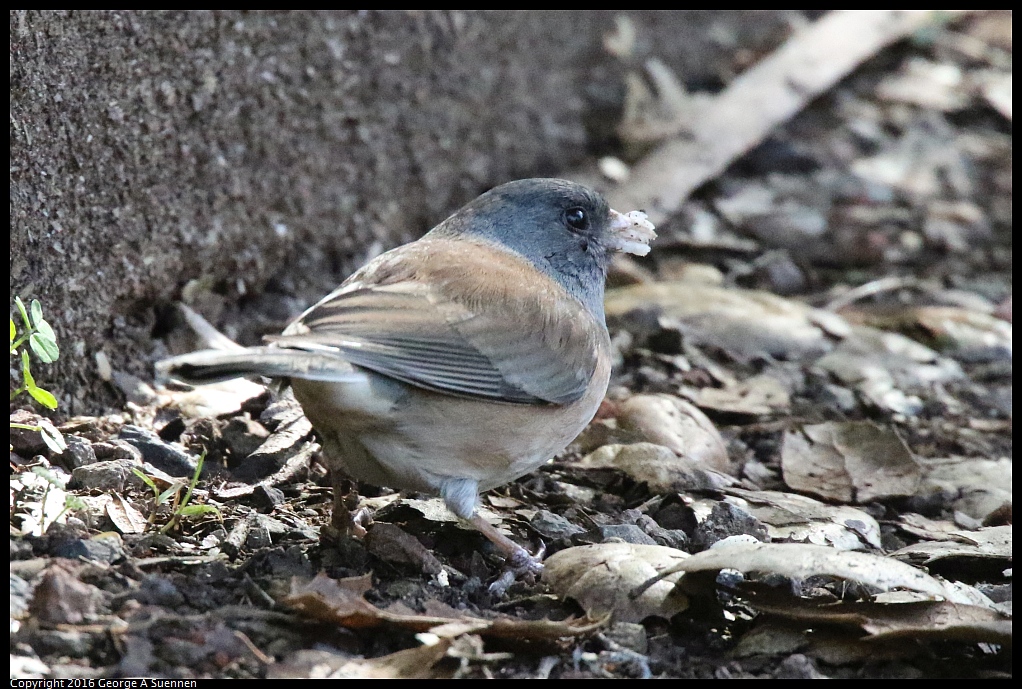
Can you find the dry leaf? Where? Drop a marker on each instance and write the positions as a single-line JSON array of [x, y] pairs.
[[983, 485], [341, 602], [800, 519], [935, 620], [758, 396], [928, 529], [941, 620], [996, 88], [412, 663], [770, 638], [657, 466], [434, 510], [676, 424], [966, 331], [997, 538], [881, 365], [126, 518], [915, 164], [391, 544], [849, 462], [746, 323], [800, 561], [602, 578], [936, 86], [991, 543]]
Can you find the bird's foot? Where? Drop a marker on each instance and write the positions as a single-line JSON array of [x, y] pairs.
[[352, 524], [346, 523], [347, 520], [521, 564]]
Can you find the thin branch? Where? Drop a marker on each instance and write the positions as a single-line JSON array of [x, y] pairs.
[[812, 61]]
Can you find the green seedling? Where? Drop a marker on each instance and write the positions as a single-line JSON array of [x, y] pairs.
[[43, 343], [180, 507], [71, 502]]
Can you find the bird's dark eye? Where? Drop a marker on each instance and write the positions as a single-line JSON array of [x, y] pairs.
[[577, 219]]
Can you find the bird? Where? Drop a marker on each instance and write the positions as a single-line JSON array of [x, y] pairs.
[[458, 362]]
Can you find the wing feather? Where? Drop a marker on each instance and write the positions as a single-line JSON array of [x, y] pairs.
[[483, 332]]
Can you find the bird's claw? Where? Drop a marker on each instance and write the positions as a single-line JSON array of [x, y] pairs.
[[520, 565]]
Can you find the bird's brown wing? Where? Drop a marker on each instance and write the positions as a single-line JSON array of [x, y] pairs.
[[471, 320]]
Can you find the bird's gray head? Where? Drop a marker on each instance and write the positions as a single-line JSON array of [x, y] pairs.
[[560, 227]]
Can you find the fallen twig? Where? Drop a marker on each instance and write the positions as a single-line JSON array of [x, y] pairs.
[[756, 102], [870, 289]]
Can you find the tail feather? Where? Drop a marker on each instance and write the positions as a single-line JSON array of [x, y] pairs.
[[214, 365]]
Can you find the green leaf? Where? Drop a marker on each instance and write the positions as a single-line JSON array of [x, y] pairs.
[[167, 494], [24, 314], [14, 331], [73, 502], [37, 312], [44, 347], [195, 478], [45, 329], [51, 436], [26, 373], [148, 481], [43, 397], [193, 510]]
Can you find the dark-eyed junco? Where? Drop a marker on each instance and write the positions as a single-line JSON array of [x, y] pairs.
[[460, 361]]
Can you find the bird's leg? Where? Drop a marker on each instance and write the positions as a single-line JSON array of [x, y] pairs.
[[347, 519], [520, 561], [461, 496]]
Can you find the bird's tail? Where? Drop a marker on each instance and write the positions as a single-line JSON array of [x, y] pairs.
[[214, 365]]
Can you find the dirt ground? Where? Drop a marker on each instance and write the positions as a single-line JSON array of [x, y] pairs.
[[813, 367]]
